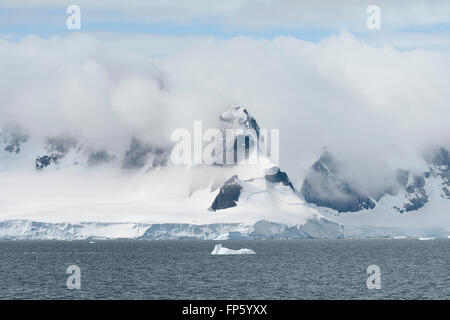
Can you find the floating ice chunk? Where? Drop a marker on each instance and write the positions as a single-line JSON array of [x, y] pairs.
[[426, 239], [218, 249]]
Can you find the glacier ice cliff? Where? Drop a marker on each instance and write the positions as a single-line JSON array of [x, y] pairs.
[[34, 230], [261, 230]]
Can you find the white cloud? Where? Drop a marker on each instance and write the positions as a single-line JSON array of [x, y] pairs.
[[369, 105]]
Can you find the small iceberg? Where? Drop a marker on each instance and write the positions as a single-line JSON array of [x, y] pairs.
[[424, 239], [218, 249]]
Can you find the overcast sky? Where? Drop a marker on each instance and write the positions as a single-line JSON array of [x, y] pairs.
[[312, 69], [404, 23]]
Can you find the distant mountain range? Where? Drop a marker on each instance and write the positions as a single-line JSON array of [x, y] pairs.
[[264, 205]]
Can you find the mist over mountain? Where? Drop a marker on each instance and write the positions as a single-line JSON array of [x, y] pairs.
[[99, 111], [366, 104]]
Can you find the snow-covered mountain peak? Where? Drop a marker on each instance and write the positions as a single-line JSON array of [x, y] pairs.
[[239, 115]]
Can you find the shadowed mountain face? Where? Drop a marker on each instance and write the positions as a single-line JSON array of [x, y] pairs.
[[440, 166], [13, 138], [415, 185], [228, 194], [275, 175], [98, 157], [323, 187], [414, 189], [140, 154], [57, 148], [441, 158], [65, 151]]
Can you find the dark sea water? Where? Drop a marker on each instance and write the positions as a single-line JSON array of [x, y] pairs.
[[297, 269]]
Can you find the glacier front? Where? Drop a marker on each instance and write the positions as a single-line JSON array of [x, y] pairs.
[[34, 230]]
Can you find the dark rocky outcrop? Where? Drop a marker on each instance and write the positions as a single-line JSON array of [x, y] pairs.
[[414, 191], [57, 148], [45, 161], [275, 175], [228, 194]]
